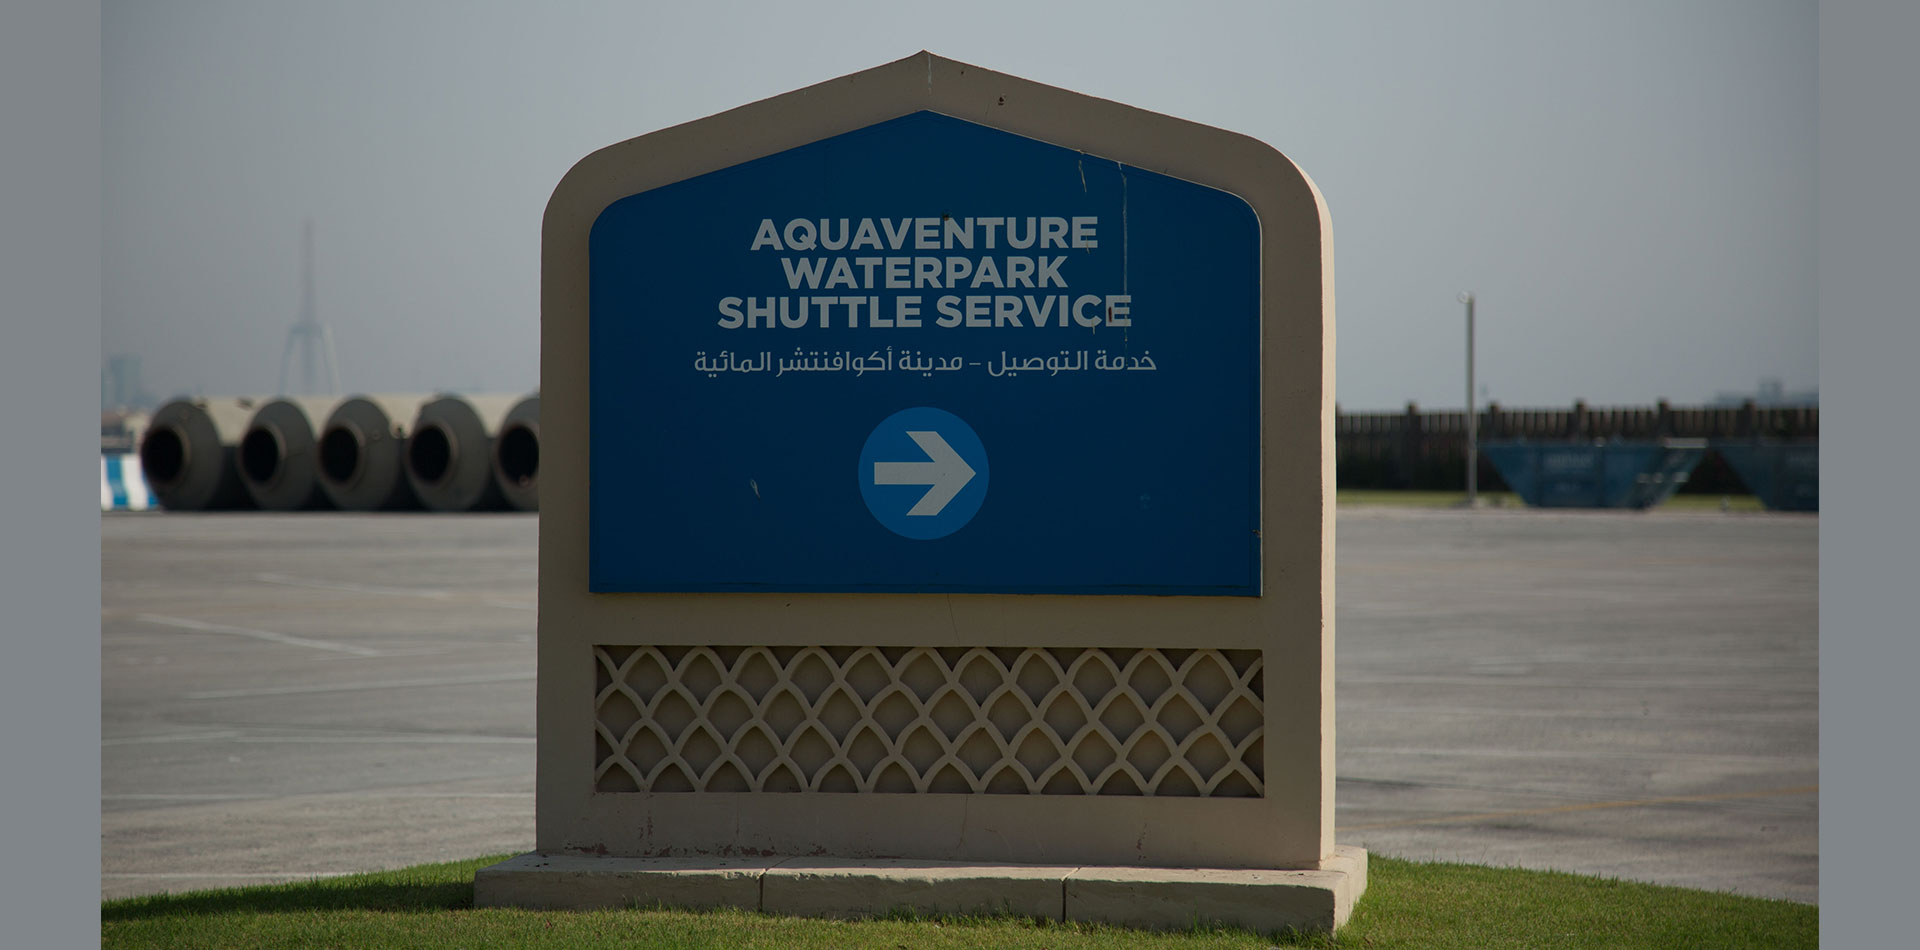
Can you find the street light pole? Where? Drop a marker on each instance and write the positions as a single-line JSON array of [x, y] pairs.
[[1473, 421]]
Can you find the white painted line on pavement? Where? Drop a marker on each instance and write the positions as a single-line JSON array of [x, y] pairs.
[[403, 740], [428, 739], [267, 635], [182, 737], [354, 687], [188, 797], [1653, 756], [1531, 682], [244, 797], [428, 593], [250, 876], [1624, 712], [1583, 806]]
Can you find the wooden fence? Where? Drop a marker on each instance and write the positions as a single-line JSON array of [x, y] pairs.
[[1428, 450]]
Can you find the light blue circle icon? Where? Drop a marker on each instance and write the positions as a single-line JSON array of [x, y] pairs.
[[923, 473]]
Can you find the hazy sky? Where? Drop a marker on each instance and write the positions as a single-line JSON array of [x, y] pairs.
[[1628, 186]]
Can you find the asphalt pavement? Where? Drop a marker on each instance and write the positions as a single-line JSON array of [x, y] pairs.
[[1631, 694]]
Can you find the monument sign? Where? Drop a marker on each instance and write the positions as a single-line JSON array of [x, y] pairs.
[[937, 487]]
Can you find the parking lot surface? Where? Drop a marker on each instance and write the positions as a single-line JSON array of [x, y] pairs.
[[1631, 694]]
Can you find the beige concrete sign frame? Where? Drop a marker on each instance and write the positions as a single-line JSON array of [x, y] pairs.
[[1274, 651]]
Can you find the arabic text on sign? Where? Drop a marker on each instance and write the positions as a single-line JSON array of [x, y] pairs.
[[911, 361]]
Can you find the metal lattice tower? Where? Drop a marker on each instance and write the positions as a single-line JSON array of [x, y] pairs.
[[309, 335]]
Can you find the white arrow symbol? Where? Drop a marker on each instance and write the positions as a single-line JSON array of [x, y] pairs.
[[947, 473]]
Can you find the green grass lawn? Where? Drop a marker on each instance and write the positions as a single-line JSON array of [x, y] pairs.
[[1507, 499], [1408, 904]]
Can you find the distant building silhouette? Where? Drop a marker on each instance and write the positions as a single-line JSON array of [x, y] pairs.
[[309, 335], [1771, 394], [120, 386]]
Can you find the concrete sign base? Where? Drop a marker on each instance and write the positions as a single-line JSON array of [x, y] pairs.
[[1157, 898]]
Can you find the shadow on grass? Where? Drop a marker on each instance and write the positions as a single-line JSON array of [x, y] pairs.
[[346, 894]]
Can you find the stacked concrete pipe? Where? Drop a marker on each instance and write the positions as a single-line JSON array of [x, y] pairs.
[[363, 449], [450, 452], [279, 458], [516, 455], [187, 453]]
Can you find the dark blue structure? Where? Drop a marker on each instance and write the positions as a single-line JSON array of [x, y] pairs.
[[802, 367], [1599, 474], [1785, 476]]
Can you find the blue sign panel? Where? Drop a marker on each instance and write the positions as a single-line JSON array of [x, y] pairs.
[[925, 356]]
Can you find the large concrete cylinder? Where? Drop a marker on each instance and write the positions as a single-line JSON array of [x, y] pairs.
[[516, 455], [187, 453], [362, 452], [279, 460], [450, 452]]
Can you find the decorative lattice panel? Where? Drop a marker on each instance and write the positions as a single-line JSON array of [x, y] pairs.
[[1055, 721]]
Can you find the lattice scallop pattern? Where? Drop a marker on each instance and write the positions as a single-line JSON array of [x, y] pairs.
[[968, 720]]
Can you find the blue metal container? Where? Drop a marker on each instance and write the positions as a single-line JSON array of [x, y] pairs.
[[1785, 475], [1597, 474]]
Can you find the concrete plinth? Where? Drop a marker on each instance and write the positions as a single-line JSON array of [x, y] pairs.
[[1260, 900], [581, 882], [836, 887], [1263, 900]]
